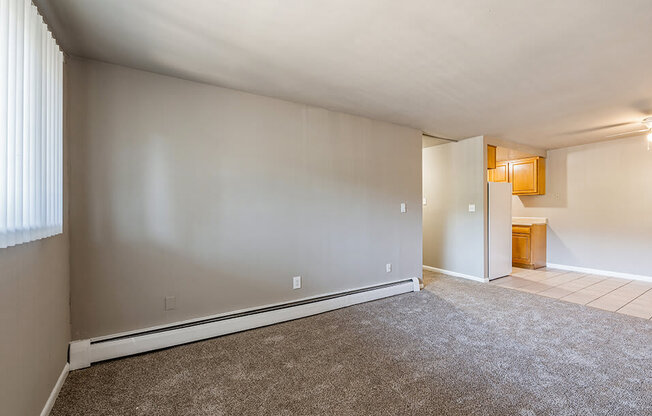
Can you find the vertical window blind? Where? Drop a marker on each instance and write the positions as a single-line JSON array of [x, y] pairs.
[[31, 123]]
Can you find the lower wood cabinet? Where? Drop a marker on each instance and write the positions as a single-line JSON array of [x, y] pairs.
[[529, 246]]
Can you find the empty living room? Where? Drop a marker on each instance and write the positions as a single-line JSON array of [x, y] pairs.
[[300, 207]]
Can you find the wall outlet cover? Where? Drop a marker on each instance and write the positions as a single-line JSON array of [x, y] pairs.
[[170, 303], [388, 267], [403, 207], [296, 282], [471, 207]]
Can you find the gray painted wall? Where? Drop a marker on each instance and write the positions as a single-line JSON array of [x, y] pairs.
[[34, 321], [219, 197], [599, 205], [453, 178], [34, 316]]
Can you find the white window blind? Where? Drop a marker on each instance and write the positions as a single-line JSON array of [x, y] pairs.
[[31, 145]]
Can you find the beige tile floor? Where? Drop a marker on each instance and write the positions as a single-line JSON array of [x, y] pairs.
[[628, 297]]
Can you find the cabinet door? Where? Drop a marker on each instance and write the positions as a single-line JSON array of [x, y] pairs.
[[491, 157], [523, 174], [501, 173], [521, 248]]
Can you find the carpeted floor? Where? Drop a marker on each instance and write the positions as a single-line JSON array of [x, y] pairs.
[[458, 348]]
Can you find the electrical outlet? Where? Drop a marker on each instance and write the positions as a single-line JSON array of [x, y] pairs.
[[471, 207], [170, 303], [388, 267], [425, 201], [296, 282], [403, 207]]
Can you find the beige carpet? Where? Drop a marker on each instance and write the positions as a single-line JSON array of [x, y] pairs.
[[458, 348]]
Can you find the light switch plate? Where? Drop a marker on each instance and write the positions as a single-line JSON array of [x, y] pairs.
[[425, 201], [403, 207], [388, 267], [296, 282], [471, 207]]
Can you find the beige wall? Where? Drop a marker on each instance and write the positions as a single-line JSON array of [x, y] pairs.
[[34, 317], [599, 204], [219, 197], [453, 178]]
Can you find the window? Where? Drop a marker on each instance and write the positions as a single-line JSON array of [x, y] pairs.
[[31, 145]]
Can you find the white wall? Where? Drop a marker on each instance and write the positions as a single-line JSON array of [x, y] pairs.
[[453, 178], [599, 205], [219, 197]]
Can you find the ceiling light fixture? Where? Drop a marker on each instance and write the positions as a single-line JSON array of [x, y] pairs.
[[648, 122]]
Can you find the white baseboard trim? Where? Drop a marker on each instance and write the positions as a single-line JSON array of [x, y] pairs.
[[85, 352], [598, 272], [55, 391], [455, 274]]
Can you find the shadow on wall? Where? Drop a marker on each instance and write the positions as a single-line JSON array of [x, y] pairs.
[[556, 184], [153, 234], [556, 247], [158, 219], [156, 233]]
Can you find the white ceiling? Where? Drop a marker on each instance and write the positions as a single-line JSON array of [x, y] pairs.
[[544, 73]]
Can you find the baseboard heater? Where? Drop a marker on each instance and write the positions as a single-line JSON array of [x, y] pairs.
[[83, 353]]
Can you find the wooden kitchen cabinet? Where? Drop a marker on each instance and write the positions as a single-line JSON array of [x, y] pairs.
[[491, 157], [501, 173], [528, 176], [529, 246]]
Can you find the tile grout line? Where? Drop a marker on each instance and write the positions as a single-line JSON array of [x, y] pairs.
[[557, 285], [600, 297], [533, 282], [634, 299], [602, 279], [585, 287], [582, 277], [516, 287], [593, 300], [552, 277]]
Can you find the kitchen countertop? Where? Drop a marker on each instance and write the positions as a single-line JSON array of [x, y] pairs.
[[529, 220]]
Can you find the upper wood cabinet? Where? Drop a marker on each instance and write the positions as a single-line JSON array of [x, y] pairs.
[[501, 173], [528, 176], [491, 157]]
